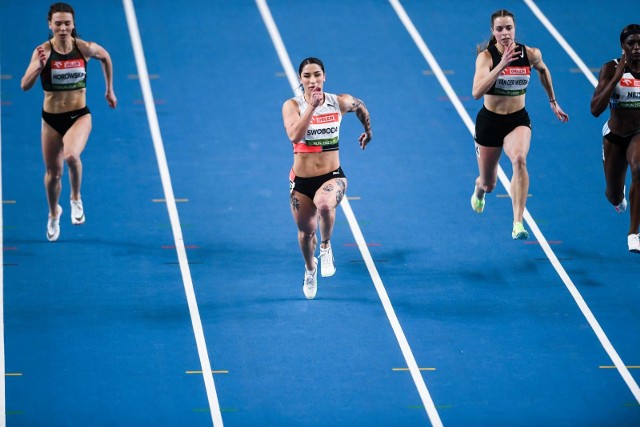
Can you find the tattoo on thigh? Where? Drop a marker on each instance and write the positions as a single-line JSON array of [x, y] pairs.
[[295, 203], [327, 188], [340, 193]]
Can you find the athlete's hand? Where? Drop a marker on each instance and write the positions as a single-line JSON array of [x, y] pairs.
[[364, 139], [111, 99], [317, 97], [561, 115], [620, 67], [510, 54], [42, 56]]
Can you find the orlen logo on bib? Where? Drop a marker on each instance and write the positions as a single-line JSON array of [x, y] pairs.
[[324, 118], [517, 71], [630, 82], [61, 65]]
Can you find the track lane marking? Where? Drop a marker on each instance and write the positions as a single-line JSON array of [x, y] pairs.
[[584, 308], [357, 233], [152, 117]]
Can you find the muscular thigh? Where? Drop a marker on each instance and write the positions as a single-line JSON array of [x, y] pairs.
[[304, 211], [77, 136], [518, 141], [51, 146], [331, 192], [633, 151], [614, 158]]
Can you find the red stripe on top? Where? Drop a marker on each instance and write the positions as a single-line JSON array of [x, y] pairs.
[[301, 147]]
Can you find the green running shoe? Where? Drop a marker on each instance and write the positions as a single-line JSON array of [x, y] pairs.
[[477, 204], [519, 233]]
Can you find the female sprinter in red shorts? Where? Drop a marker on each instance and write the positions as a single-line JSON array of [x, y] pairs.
[[317, 183]]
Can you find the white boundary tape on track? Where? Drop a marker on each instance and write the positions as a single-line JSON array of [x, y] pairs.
[[425, 396], [132, 22], [572, 53], [602, 337], [3, 403], [617, 361]]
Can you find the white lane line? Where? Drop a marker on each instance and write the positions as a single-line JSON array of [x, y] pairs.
[[357, 233], [567, 48], [154, 127], [3, 411], [606, 344], [617, 361]]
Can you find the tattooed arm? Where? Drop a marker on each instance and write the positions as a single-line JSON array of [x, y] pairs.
[[350, 104]]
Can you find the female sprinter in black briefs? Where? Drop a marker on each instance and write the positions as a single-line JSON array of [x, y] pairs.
[[61, 65], [317, 182]]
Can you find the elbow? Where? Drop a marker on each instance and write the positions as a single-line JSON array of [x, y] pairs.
[[26, 83], [293, 139], [476, 93], [595, 111]]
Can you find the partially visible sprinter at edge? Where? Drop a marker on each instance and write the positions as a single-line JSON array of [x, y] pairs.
[[619, 89]]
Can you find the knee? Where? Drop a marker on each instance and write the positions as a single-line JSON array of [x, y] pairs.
[[519, 161], [53, 174], [325, 209], [306, 236], [72, 159]]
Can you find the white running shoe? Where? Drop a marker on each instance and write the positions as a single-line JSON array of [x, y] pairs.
[[77, 212], [310, 283], [53, 226], [634, 243], [327, 262]]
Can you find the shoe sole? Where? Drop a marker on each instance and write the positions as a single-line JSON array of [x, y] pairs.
[[307, 296], [327, 274], [520, 236], [76, 221]]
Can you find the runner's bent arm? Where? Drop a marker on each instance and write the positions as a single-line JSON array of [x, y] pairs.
[[38, 61], [608, 78], [94, 50], [535, 59], [350, 104]]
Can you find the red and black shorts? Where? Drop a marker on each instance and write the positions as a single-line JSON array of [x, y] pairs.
[[309, 186]]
